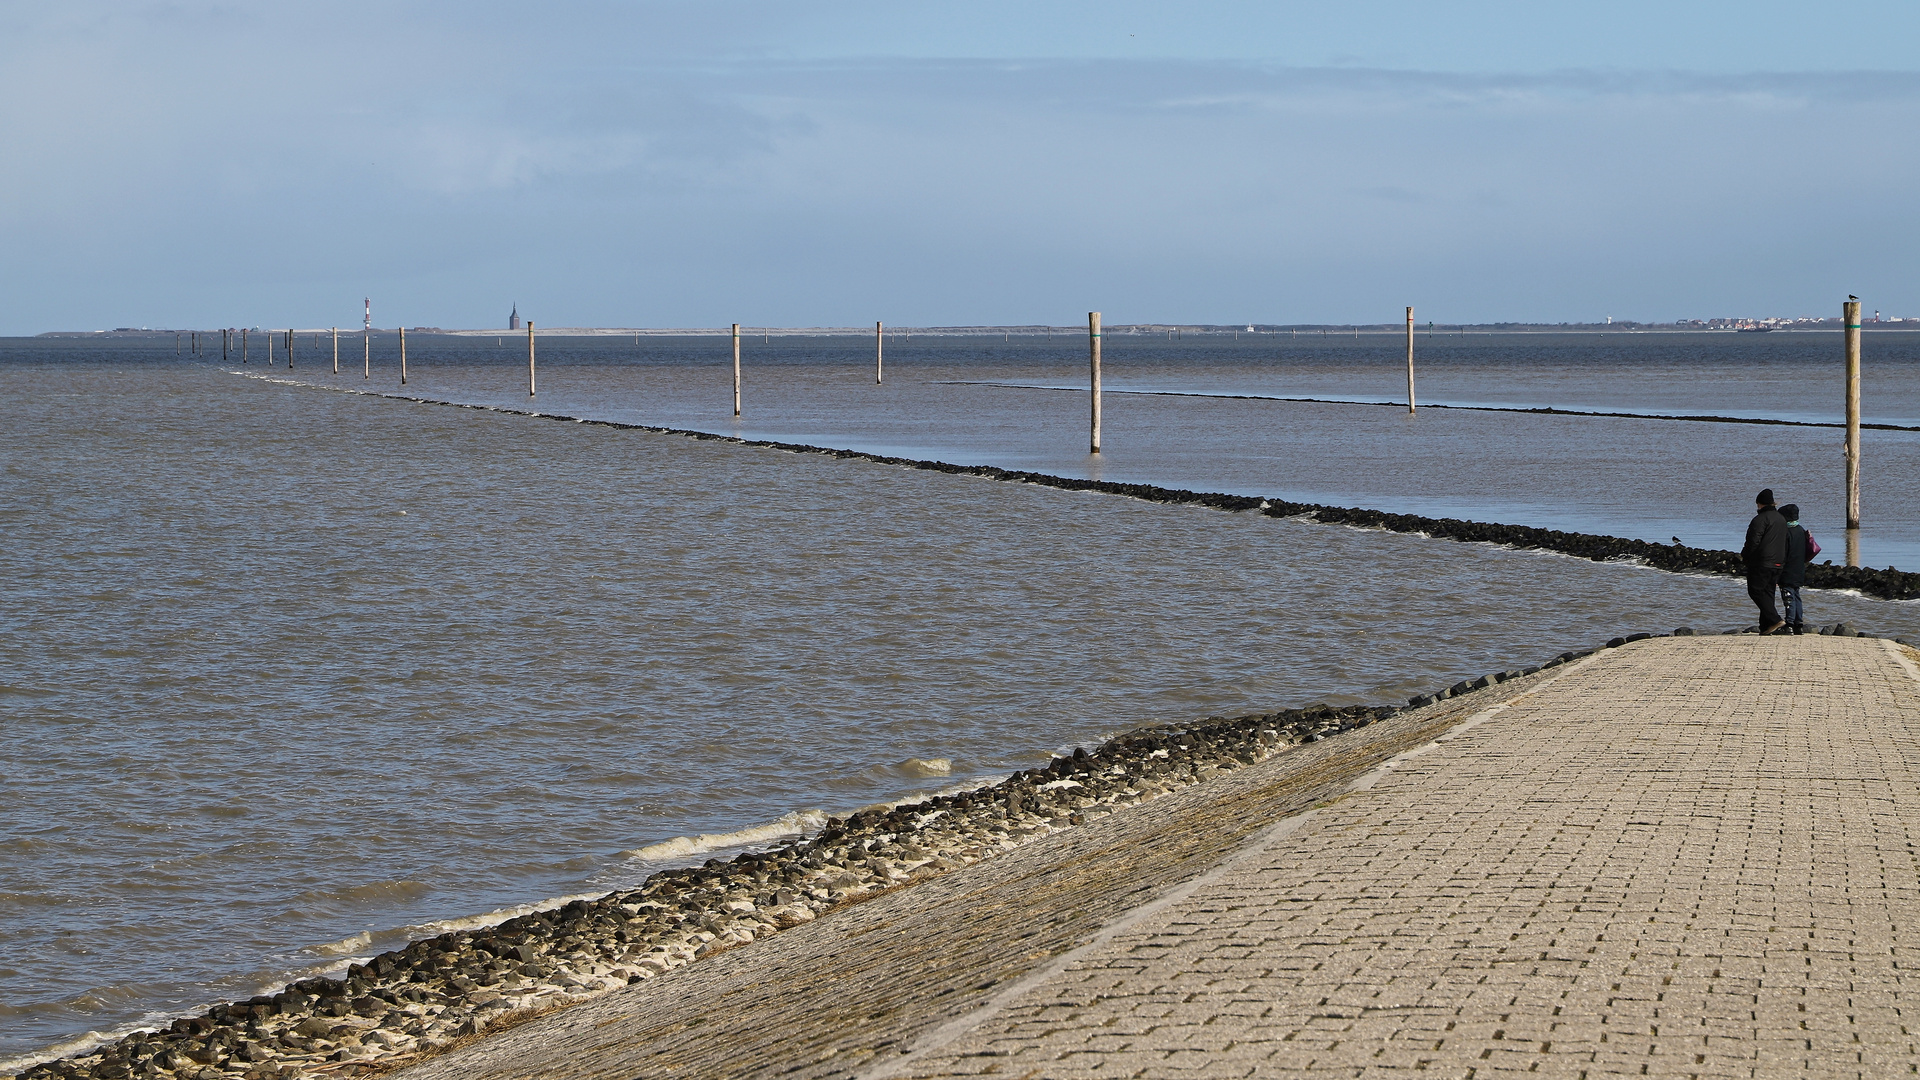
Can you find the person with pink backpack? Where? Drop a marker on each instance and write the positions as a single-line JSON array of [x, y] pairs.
[[1801, 548]]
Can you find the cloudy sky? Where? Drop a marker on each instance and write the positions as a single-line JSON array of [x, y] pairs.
[[786, 163]]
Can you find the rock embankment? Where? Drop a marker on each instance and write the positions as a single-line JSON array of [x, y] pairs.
[[412, 1001], [402, 1004]]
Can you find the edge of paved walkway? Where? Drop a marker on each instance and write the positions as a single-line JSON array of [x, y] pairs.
[[1698, 860], [982, 934]]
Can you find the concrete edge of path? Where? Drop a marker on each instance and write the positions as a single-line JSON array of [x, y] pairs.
[[1900, 654]]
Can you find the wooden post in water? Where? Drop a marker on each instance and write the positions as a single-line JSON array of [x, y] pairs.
[[879, 349], [532, 384], [1409, 360], [243, 346], [223, 346], [1850, 318], [336, 350], [1093, 346], [403, 356], [736, 369], [289, 348]]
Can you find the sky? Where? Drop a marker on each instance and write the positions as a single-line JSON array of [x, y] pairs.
[[674, 164]]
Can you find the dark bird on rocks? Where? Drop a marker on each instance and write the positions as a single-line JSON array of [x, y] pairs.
[[1676, 540]]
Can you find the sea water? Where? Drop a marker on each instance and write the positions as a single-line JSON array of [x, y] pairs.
[[290, 675]]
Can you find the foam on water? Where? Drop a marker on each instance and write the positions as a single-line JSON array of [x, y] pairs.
[[355, 944], [81, 1043], [682, 848]]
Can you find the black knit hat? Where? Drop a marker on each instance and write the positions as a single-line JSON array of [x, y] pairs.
[[1791, 512], [1765, 498]]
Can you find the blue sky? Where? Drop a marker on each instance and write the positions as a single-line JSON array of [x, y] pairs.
[[682, 164]]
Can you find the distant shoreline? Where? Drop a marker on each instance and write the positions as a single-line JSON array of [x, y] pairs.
[[1396, 330]]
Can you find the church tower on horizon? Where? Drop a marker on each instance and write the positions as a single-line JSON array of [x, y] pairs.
[[513, 320]]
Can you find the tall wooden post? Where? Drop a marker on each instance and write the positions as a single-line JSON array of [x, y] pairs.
[[336, 350], [243, 346], [736, 369], [1093, 347], [532, 385], [1409, 360], [1850, 317], [289, 348], [224, 342], [879, 347], [403, 356]]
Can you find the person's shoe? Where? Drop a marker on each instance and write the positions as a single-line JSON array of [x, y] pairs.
[[1775, 628]]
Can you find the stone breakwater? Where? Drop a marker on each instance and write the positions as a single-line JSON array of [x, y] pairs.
[[1888, 584], [411, 1002]]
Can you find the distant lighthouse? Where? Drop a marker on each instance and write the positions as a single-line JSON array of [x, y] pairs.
[[513, 320]]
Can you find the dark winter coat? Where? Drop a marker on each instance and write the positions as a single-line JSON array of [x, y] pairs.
[[1794, 570], [1766, 541]]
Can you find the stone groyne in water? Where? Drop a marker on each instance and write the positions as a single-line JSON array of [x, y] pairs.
[[1887, 584]]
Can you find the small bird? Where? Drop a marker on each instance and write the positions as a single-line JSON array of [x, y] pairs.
[[1677, 543]]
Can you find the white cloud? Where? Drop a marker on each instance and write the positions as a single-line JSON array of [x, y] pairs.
[[395, 147]]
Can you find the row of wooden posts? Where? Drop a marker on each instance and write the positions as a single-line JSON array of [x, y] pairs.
[[1850, 311], [226, 350]]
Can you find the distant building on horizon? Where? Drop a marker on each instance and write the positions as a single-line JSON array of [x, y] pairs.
[[513, 320]]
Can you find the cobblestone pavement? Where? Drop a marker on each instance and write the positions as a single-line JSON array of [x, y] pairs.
[[1683, 857]]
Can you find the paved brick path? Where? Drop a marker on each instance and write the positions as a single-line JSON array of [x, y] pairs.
[[1684, 857]]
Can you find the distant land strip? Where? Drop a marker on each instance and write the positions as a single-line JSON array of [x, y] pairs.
[[1888, 584], [1537, 411]]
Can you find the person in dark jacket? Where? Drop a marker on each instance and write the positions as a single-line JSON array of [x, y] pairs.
[[1765, 554], [1793, 570]]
